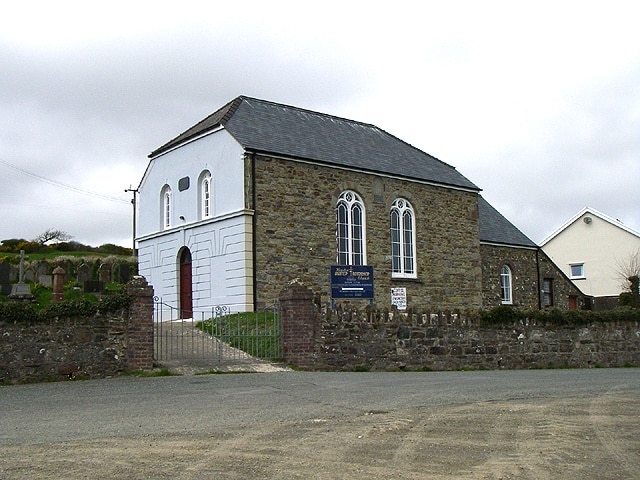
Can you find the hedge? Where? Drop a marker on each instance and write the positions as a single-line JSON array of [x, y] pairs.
[[553, 316], [21, 312]]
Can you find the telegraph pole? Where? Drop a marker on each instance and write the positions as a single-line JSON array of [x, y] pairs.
[[133, 202]]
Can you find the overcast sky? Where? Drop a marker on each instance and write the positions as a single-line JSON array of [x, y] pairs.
[[537, 103]]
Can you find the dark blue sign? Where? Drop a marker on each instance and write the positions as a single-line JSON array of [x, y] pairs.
[[351, 281]]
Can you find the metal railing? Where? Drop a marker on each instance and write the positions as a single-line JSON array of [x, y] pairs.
[[216, 334]]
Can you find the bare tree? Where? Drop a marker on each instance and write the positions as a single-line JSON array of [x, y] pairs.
[[52, 234], [628, 269]]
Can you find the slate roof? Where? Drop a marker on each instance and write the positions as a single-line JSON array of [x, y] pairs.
[[271, 128], [494, 228]]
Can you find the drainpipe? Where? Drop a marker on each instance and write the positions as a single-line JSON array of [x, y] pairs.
[[538, 270], [253, 232]]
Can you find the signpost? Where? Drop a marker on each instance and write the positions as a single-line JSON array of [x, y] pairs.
[[351, 281]]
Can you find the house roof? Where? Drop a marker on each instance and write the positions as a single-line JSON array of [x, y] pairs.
[[271, 128], [595, 213], [495, 228]]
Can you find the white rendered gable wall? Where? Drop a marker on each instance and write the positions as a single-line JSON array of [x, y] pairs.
[[220, 246], [600, 245]]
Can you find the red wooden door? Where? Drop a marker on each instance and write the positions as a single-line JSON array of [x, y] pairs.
[[186, 298]]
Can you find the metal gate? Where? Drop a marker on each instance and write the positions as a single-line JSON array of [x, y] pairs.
[[216, 335]]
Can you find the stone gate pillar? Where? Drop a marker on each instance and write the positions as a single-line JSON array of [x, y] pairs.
[[140, 326], [299, 318], [58, 283]]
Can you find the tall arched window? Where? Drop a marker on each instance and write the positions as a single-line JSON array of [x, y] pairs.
[[403, 235], [350, 229], [166, 207], [206, 195], [505, 285]]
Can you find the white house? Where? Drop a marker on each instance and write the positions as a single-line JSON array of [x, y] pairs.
[[590, 248]]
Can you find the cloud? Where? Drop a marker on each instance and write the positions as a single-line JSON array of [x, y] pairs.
[[537, 104]]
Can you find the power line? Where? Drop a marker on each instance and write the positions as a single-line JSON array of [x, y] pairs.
[[64, 185]]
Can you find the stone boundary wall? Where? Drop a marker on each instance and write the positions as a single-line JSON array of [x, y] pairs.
[[97, 347], [372, 340]]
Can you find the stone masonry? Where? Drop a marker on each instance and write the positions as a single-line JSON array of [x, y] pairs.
[[528, 267], [101, 346], [290, 246], [366, 339]]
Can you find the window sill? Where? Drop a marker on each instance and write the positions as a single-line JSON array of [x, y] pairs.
[[406, 279]]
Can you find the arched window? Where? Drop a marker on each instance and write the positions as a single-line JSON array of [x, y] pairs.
[[350, 229], [206, 195], [166, 207], [505, 285], [403, 234]]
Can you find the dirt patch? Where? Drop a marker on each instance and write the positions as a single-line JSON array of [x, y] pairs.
[[570, 438]]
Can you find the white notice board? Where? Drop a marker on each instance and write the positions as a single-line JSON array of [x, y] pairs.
[[399, 298]]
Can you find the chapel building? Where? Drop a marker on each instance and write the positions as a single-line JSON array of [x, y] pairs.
[[260, 194]]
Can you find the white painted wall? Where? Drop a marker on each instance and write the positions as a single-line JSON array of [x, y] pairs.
[[220, 154], [600, 245], [221, 246]]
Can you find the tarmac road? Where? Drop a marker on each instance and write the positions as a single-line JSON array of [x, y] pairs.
[[124, 407], [529, 425]]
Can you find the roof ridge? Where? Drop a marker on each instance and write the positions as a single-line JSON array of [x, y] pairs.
[[313, 112], [272, 127], [229, 109], [366, 124]]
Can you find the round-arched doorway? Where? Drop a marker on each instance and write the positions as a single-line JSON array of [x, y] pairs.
[[185, 284]]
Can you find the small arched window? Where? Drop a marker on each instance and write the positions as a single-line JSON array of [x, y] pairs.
[[403, 239], [166, 202], [350, 229], [505, 285], [206, 195]]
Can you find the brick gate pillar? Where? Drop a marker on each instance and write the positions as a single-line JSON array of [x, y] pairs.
[[299, 318], [140, 327]]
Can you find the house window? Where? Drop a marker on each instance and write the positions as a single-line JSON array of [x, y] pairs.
[[403, 259], [505, 285], [206, 195], [350, 229], [166, 207], [547, 292], [577, 270]]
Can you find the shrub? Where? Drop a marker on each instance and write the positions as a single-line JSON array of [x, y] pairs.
[[30, 247], [16, 312], [68, 309], [9, 245], [85, 307], [114, 249], [504, 315], [500, 315]]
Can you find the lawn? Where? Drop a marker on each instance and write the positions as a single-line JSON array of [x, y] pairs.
[[256, 333]]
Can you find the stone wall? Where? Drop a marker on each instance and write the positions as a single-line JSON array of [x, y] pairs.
[[295, 229], [101, 346], [524, 271], [563, 288], [529, 267], [368, 339]]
